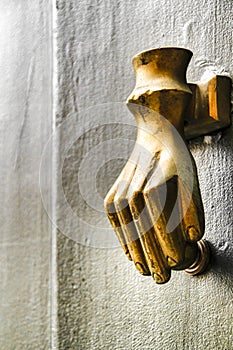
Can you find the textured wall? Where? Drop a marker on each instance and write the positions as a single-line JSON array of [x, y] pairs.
[[25, 124], [102, 301]]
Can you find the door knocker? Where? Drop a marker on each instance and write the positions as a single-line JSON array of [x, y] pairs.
[[155, 205]]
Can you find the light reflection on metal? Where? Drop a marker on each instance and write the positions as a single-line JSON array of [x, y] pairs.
[[155, 204]]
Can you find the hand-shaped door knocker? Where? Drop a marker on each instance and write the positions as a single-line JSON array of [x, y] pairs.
[[155, 205]]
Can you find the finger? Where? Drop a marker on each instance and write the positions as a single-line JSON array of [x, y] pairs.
[[131, 236], [172, 243], [156, 261], [121, 184], [114, 220], [192, 212], [125, 217], [150, 245]]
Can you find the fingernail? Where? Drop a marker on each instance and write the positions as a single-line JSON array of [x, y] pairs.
[[142, 269]]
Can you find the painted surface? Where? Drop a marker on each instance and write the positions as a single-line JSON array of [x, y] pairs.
[[103, 303], [25, 124]]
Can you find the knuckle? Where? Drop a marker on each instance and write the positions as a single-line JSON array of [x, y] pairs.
[[120, 201], [148, 191], [109, 201], [137, 204]]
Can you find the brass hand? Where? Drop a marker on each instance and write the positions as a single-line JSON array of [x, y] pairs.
[[155, 205]]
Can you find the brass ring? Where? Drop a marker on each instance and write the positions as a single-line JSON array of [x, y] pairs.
[[202, 261]]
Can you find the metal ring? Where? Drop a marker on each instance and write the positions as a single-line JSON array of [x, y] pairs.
[[202, 261]]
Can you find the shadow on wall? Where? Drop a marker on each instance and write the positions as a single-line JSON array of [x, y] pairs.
[[217, 196], [222, 258]]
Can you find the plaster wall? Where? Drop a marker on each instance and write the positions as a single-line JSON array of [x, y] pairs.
[[25, 125], [103, 303]]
